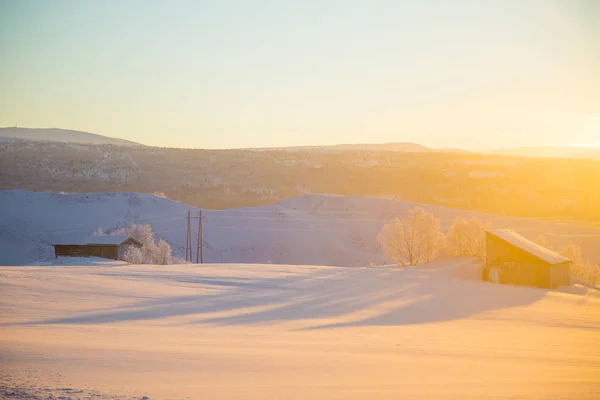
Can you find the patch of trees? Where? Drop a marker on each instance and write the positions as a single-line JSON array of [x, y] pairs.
[[417, 238], [151, 252], [580, 267]]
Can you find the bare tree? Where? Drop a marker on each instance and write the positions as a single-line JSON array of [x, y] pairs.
[[467, 237], [413, 239]]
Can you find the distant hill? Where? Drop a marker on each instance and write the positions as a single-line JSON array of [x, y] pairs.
[[62, 135], [592, 153], [394, 146], [398, 146]]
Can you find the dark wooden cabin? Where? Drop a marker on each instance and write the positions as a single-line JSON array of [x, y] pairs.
[[513, 259], [111, 246]]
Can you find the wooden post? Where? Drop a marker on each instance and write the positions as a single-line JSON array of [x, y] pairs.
[[188, 241], [190, 230], [199, 245]]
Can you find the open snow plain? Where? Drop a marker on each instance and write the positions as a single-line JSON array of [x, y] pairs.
[[116, 331]]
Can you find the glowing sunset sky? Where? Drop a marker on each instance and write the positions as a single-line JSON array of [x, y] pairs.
[[471, 74]]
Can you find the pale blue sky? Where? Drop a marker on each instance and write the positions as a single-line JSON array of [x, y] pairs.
[[471, 74]]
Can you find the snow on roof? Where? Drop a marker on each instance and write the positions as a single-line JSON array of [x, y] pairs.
[[531, 247], [107, 239], [103, 239]]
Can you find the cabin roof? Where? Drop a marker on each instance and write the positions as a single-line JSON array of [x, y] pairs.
[[527, 245], [114, 240]]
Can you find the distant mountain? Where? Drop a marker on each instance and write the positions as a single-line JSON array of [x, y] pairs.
[[592, 153], [62, 135], [395, 146]]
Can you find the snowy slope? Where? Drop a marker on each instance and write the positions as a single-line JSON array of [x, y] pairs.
[[32, 221], [62, 135], [312, 229], [292, 332]]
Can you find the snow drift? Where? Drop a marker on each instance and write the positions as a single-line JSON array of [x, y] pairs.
[[293, 332]]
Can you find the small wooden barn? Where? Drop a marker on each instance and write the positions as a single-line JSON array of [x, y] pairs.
[[110, 246], [513, 259]]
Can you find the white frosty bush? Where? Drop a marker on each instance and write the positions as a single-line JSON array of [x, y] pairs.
[[133, 255]]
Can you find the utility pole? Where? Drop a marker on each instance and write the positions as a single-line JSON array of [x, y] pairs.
[[188, 240], [199, 259], [187, 237]]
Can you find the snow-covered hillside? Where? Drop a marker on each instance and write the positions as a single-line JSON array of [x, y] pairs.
[[311, 229], [61, 135], [32, 221], [270, 332]]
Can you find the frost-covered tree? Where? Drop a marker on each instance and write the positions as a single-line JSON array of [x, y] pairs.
[[163, 253], [580, 267], [133, 255], [434, 240], [467, 237], [413, 239], [573, 253], [144, 235]]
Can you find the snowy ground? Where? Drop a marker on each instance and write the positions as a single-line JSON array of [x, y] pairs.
[[311, 230], [291, 332]]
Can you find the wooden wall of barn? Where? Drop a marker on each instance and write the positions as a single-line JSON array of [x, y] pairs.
[[520, 267], [103, 251]]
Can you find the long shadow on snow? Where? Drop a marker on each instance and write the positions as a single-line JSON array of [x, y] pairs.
[[388, 297], [257, 293], [431, 296], [436, 300]]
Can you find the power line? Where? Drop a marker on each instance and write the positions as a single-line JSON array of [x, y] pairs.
[[304, 219], [310, 219], [342, 211], [256, 228], [400, 211], [246, 228], [95, 224], [287, 215]]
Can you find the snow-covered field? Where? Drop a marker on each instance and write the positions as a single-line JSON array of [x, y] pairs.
[[311, 229], [291, 332]]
